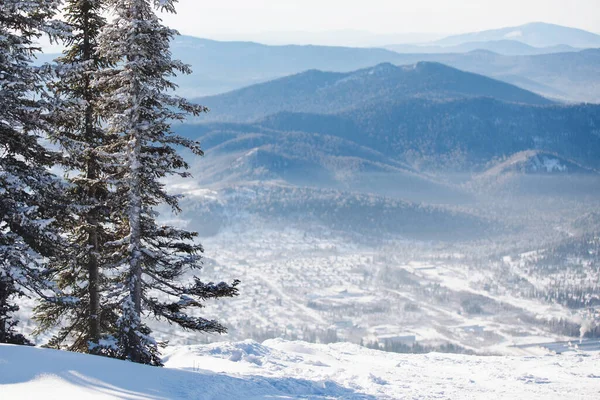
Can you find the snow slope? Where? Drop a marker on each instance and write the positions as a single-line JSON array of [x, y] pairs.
[[280, 369]]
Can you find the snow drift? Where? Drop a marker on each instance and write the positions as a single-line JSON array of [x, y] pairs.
[[293, 370]]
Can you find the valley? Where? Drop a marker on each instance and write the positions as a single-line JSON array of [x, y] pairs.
[[404, 208], [312, 279]]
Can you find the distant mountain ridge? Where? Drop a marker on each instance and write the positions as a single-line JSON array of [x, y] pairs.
[[330, 92], [428, 116], [223, 66], [504, 47], [536, 34], [220, 67], [552, 76]]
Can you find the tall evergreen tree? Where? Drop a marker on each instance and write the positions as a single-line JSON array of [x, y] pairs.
[[77, 128], [152, 258], [28, 192]]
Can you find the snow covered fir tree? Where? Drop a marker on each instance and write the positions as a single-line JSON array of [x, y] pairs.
[[77, 129], [107, 109], [147, 257], [29, 193]]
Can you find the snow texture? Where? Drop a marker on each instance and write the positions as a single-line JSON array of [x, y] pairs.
[[294, 370]]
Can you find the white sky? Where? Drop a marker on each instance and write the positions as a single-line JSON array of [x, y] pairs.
[[232, 17]]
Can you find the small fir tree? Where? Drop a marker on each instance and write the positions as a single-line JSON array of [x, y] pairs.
[[151, 259]]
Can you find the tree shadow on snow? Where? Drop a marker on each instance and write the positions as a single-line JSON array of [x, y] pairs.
[[129, 381]]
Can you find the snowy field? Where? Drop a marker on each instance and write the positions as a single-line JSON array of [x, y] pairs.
[[278, 369]]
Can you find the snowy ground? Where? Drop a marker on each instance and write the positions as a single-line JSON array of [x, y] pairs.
[[278, 369]]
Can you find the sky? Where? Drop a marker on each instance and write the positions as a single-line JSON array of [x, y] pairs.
[[366, 23], [238, 17]]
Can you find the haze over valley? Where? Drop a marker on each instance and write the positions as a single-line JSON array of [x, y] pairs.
[[418, 201]]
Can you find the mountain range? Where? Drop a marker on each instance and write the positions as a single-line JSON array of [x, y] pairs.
[[340, 37], [536, 34], [321, 92], [504, 47], [353, 149], [428, 114], [573, 76], [566, 73]]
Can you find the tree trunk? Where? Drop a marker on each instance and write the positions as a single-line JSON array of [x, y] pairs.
[[3, 310], [135, 260], [91, 176]]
